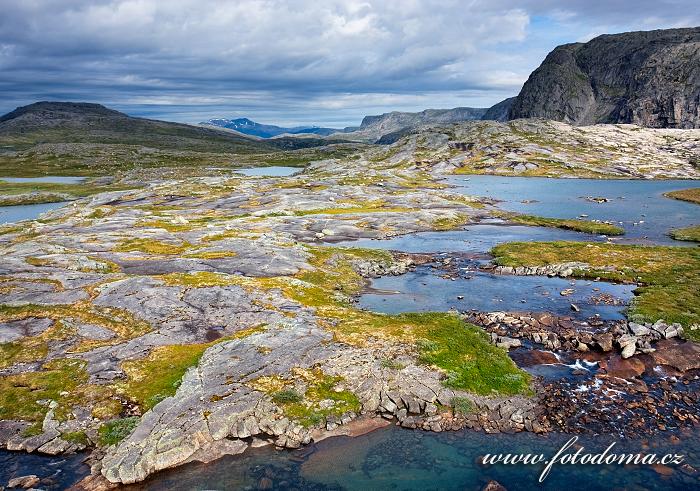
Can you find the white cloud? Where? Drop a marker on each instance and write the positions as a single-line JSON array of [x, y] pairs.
[[301, 55]]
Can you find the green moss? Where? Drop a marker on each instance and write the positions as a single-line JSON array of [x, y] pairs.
[[156, 377], [20, 393], [115, 431], [691, 234], [669, 275], [692, 195], [392, 364], [567, 224], [78, 437], [306, 408], [286, 396], [451, 223], [462, 405], [151, 246]]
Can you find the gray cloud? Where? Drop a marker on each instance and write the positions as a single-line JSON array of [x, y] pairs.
[[294, 61]]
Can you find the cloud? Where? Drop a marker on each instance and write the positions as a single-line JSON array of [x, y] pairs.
[[297, 61]]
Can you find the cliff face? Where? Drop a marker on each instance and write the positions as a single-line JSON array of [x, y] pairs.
[[647, 78]]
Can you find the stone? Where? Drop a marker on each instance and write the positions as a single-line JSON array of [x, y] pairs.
[[638, 329], [604, 341], [25, 482], [628, 350], [493, 486]]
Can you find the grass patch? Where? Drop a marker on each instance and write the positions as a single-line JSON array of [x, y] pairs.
[[567, 224], [150, 246], [691, 234], [319, 397], [78, 437], [669, 275], [286, 396], [462, 405], [451, 222], [20, 393], [115, 431], [692, 195]]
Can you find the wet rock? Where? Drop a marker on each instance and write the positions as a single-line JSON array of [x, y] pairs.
[[25, 482], [682, 356], [493, 486], [617, 366]]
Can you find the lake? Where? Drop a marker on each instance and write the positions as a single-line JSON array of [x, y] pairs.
[[639, 206]]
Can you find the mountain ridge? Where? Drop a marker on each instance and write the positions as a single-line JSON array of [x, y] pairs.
[[253, 128], [649, 78]]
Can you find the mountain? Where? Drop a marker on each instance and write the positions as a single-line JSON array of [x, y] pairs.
[[248, 127], [499, 112], [79, 122], [391, 126], [75, 138], [649, 78]]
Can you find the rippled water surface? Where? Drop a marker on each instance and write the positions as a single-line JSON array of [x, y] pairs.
[[639, 206]]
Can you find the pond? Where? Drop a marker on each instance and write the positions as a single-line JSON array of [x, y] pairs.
[[16, 213], [11, 214], [425, 290], [271, 171], [478, 238], [639, 206]]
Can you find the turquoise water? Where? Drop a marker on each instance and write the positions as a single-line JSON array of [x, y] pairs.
[[271, 171], [395, 458], [637, 205]]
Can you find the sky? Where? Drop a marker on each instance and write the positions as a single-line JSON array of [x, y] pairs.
[[296, 62]]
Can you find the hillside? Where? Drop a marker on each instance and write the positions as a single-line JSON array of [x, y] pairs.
[[647, 78], [85, 139]]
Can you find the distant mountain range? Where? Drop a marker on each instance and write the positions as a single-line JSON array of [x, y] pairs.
[[80, 122], [649, 78], [372, 127], [249, 127]]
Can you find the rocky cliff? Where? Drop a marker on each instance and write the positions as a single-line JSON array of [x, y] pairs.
[[398, 123], [648, 78]]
